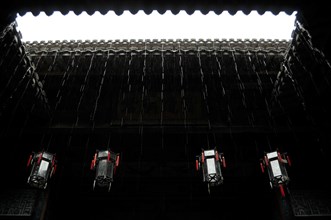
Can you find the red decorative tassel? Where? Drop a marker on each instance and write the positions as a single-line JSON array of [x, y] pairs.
[[266, 161], [289, 161], [262, 168], [117, 160], [223, 161], [39, 159], [282, 192], [29, 161]]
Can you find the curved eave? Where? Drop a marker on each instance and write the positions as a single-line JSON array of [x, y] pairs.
[[158, 12], [161, 6]]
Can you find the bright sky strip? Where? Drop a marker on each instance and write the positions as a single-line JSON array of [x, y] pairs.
[[155, 26]]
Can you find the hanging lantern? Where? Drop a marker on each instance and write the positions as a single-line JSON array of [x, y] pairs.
[[104, 164], [275, 163], [43, 167], [211, 163]]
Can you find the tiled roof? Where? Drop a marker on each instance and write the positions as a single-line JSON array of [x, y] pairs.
[[256, 45]]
